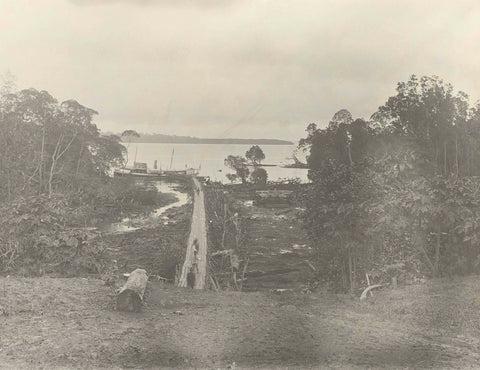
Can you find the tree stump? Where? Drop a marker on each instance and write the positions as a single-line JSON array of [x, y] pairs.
[[130, 296]]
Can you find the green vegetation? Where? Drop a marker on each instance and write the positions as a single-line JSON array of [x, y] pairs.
[[259, 176], [255, 155], [397, 195], [128, 136], [55, 183], [253, 158], [239, 164]]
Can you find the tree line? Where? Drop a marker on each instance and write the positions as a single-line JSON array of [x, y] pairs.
[[397, 194], [47, 146], [55, 179]]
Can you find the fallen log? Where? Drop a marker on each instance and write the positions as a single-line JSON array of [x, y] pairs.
[[222, 253], [368, 289], [130, 296]]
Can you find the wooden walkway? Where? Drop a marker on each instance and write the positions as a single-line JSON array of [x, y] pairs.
[[194, 268]]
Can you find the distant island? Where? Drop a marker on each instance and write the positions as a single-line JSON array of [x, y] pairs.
[[174, 139]]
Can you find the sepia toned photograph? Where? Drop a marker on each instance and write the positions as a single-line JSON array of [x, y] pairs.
[[239, 184]]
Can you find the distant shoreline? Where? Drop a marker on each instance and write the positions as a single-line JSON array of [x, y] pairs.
[[167, 139], [206, 143]]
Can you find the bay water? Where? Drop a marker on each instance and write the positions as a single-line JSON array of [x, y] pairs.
[[209, 158]]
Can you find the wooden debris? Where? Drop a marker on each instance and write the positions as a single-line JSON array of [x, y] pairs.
[[368, 283], [310, 266], [368, 289], [130, 296], [222, 252]]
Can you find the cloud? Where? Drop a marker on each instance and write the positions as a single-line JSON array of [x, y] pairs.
[[202, 4], [173, 67]]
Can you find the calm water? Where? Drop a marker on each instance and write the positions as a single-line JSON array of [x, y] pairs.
[[131, 224], [210, 158]]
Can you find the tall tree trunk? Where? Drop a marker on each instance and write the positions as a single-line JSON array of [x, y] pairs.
[[224, 224], [456, 153], [350, 273], [344, 274], [445, 157], [79, 159], [419, 241], [436, 263], [57, 154], [40, 166], [349, 149], [52, 167], [9, 189]]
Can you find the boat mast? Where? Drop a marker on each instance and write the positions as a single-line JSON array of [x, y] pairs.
[[135, 160], [171, 159]]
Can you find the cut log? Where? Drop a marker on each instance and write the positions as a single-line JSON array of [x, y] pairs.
[[365, 292], [130, 296], [222, 252]]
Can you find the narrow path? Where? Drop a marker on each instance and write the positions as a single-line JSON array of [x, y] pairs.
[[196, 256]]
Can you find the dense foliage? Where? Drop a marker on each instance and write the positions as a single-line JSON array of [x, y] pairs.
[[259, 176], [55, 168], [255, 155], [47, 146], [241, 165], [397, 195]]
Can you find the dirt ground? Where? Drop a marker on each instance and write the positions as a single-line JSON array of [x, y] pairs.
[[71, 323], [49, 323]]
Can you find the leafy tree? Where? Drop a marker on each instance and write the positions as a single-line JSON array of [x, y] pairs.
[[239, 165], [429, 135], [47, 146], [259, 176], [436, 122], [400, 189], [7, 83], [342, 117], [344, 142], [255, 155], [305, 144], [337, 221], [129, 135], [336, 207], [232, 177]]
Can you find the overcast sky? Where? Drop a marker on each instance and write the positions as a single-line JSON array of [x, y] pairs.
[[235, 68]]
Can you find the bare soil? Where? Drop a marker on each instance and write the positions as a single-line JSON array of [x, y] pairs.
[[71, 323], [49, 323]]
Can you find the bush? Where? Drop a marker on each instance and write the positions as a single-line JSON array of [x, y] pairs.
[[38, 238], [259, 176]]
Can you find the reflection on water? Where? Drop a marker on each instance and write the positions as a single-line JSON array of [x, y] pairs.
[[131, 224]]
